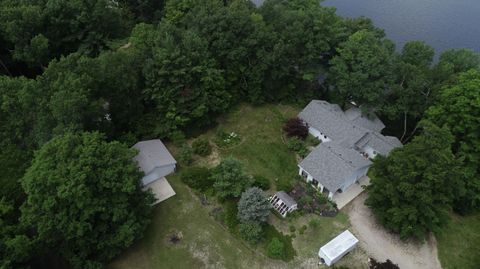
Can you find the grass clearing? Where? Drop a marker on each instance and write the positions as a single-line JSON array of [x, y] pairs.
[[459, 243]]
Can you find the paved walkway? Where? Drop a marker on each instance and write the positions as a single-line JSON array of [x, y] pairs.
[[342, 199]]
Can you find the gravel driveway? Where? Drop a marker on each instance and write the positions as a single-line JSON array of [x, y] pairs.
[[382, 245]]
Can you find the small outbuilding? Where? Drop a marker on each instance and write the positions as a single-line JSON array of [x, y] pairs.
[[337, 248], [156, 162], [283, 203]]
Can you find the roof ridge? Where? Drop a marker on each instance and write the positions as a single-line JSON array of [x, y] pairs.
[[350, 163]]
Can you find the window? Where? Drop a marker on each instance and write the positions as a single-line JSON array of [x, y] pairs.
[[304, 174]]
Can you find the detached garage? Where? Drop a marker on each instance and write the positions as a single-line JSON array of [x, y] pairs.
[[337, 248], [156, 162]]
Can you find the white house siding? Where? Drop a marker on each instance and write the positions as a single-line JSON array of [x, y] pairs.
[[157, 173], [318, 134]]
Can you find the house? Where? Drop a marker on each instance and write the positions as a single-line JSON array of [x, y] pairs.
[[283, 203], [337, 248], [156, 162], [350, 140]]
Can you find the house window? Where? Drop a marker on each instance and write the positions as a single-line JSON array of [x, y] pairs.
[[304, 174]]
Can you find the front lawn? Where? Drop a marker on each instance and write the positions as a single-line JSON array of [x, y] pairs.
[[459, 243]]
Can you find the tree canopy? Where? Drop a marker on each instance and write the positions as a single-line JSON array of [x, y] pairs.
[[84, 198], [414, 187], [458, 108], [229, 178]]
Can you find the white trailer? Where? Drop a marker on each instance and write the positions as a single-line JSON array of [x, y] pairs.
[[337, 248]]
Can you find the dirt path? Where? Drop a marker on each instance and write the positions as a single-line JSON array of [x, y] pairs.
[[382, 245]]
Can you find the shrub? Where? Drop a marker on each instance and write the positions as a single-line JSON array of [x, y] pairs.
[[185, 155], [201, 147], [261, 182], [288, 251], [292, 228], [312, 140], [198, 178], [226, 139], [177, 137], [285, 185], [296, 127], [251, 232], [253, 206], [297, 146], [275, 249]]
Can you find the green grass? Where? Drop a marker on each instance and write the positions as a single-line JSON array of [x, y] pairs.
[[262, 149], [208, 244], [459, 243]]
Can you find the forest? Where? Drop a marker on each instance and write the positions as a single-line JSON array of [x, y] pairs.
[[83, 80]]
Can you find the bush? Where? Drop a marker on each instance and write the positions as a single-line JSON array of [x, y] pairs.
[[288, 251], [303, 229], [177, 137], [261, 182], [296, 127], [201, 147], [198, 178], [285, 185], [312, 140], [275, 249], [292, 228], [226, 139], [297, 146], [251, 232], [185, 155]]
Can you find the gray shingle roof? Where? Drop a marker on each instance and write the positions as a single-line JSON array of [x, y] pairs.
[[331, 163], [152, 154], [286, 198], [371, 122], [326, 117], [380, 143]]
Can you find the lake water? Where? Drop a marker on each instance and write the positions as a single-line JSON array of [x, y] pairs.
[[443, 24]]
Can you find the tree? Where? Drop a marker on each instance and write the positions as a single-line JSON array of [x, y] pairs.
[[183, 81], [15, 246], [411, 92], [296, 127], [412, 190], [230, 178], [305, 36], [253, 206], [84, 198], [43, 30], [457, 107], [362, 70], [250, 231]]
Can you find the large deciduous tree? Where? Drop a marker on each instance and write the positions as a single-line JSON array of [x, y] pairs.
[[84, 198], [362, 70], [229, 178], [413, 188], [182, 80], [458, 108]]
